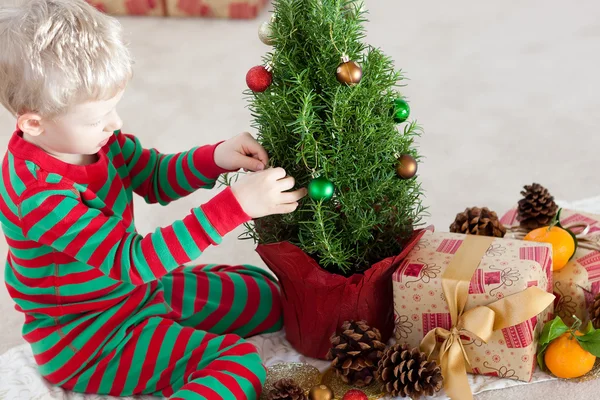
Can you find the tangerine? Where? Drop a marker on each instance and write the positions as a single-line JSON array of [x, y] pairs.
[[565, 357], [563, 244]]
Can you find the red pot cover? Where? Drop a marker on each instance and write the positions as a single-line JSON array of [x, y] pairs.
[[317, 302]]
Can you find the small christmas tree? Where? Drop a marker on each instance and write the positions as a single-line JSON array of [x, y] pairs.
[[327, 110]]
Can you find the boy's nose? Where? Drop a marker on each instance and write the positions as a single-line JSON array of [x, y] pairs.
[[114, 124]]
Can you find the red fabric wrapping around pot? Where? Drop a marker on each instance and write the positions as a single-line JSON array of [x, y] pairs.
[[317, 302]]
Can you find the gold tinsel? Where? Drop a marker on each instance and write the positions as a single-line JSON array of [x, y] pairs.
[[330, 378], [307, 376]]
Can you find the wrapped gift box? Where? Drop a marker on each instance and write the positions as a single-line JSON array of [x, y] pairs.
[[507, 267], [234, 9], [578, 282], [131, 7]]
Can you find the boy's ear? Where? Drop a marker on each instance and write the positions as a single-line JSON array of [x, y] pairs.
[[30, 123]]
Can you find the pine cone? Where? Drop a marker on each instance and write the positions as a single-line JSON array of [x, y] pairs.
[[537, 208], [356, 352], [594, 312], [286, 389], [405, 372], [478, 221]]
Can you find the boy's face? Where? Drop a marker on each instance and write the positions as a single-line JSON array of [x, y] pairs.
[[83, 130]]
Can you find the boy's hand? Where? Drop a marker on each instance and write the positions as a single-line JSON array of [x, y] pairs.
[[241, 151], [264, 193]]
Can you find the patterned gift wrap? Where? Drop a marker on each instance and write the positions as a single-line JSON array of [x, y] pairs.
[[131, 7], [578, 282], [508, 267], [234, 9]]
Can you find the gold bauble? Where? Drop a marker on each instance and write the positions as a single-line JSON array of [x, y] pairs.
[[407, 166], [349, 72], [321, 392]]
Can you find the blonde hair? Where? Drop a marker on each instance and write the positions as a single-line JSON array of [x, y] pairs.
[[55, 54]]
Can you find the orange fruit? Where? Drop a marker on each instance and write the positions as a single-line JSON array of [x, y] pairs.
[[563, 245], [565, 358]]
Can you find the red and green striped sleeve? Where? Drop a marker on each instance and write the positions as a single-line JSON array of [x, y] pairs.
[[162, 178], [55, 216]]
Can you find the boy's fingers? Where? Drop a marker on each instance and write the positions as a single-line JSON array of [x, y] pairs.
[[248, 163], [262, 155], [287, 208], [277, 173], [287, 183], [256, 150], [290, 197]]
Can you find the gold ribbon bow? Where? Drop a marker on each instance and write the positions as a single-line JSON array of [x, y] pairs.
[[479, 322]]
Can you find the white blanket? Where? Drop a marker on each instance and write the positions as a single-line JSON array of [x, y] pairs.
[[19, 378]]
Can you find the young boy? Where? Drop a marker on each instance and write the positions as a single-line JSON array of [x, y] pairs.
[[108, 310]]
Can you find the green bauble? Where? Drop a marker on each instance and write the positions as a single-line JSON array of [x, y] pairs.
[[401, 110], [320, 189]]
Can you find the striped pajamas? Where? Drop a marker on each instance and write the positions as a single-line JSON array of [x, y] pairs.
[[110, 311]]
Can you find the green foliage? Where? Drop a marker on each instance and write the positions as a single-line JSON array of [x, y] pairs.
[[311, 125], [552, 330], [589, 341]]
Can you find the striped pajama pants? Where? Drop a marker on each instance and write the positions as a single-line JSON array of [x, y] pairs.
[[197, 350]]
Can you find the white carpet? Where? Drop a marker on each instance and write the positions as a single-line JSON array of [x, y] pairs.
[[21, 380], [506, 93]]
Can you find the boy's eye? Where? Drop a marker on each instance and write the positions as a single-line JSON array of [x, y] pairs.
[[96, 123]]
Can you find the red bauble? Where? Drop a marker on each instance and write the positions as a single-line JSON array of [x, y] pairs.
[[259, 79], [355, 394]]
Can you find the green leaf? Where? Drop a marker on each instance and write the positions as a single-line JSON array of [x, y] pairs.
[[589, 328], [540, 357], [556, 220], [590, 337], [591, 347], [590, 341], [552, 330]]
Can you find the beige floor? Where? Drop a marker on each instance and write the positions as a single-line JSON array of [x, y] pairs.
[[507, 93]]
